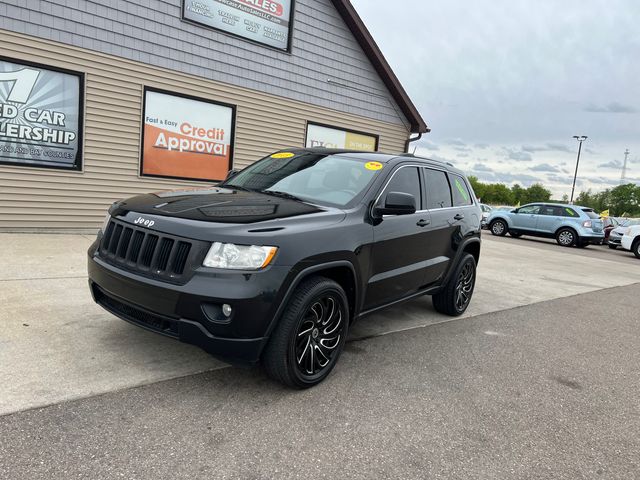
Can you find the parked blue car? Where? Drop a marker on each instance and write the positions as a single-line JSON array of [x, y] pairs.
[[570, 225]]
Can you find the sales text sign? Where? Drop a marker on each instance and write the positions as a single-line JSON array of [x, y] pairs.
[[263, 21], [331, 137], [40, 116], [186, 137]]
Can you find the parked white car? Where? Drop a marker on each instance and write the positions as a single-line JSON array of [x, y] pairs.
[[631, 240]]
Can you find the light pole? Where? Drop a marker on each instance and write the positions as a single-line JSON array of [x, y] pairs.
[[580, 139]]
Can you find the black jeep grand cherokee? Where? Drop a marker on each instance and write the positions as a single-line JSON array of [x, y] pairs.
[[274, 264]]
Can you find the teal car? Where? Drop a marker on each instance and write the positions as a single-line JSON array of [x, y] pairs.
[[570, 225]]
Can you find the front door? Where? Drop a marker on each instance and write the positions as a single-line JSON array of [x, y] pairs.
[[527, 218], [398, 254]]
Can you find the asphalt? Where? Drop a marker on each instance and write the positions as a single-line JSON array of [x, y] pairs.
[[56, 345], [547, 390]]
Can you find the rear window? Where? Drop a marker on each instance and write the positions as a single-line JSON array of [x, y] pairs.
[[590, 213], [461, 195], [569, 212]]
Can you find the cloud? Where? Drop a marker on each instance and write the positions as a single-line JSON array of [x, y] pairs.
[[462, 154], [517, 177], [613, 107], [523, 156], [429, 145], [611, 164], [457, 142], [549, 147], [481, 145], [481, 167], [544, 167]]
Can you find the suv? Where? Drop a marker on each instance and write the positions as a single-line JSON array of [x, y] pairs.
[[569, 224], [274, 264]]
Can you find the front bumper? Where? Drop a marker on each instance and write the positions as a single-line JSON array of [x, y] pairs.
[[627, 242], [192, 312], [614, 240]]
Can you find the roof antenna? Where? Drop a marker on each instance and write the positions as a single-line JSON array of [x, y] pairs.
[[414, 149]]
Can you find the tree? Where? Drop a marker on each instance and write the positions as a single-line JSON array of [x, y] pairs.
[[536, 193]]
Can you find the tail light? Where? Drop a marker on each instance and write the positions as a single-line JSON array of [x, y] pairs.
[[587, 224]]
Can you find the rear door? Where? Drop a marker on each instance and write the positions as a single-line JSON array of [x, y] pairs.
[[400, 244], [438, 235], [549, 219]]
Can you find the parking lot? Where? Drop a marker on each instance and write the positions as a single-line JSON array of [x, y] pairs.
[[538, 379]]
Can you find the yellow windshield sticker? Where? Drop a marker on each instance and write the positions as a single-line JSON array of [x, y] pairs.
[[283, 155], [373, 165]]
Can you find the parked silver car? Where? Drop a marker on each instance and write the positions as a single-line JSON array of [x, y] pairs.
[[486, 211], [569, 224], [615, 237]]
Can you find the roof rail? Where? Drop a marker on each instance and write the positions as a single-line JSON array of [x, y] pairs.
[[412, 155]]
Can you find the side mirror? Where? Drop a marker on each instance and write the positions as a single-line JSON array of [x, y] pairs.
[[515, 210], [232, 173], [397, 203]]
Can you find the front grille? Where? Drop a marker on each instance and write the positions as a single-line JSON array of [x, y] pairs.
[[152, 321], [157, 255]]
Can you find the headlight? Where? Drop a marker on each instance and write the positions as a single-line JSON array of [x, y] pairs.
[[239, 257], [103, 228]]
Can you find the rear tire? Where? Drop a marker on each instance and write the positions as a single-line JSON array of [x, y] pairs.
[[455, 296], [635, 248], [566, 237], [308, 340], [498, 228]]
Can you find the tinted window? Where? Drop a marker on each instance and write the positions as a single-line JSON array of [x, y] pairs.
[[530, 210], [438, 190], [569, 212], [461, 195], [551, 210], [590, 213], [405, 180]]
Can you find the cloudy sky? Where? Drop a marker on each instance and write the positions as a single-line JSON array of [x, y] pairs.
[[504, 85]]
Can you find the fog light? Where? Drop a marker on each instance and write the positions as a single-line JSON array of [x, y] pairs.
[[226, 310]]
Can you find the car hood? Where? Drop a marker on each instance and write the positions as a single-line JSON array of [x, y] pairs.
[[218, 205]]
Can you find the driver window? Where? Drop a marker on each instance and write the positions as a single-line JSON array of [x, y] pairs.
[[531, 210], [405, 180]]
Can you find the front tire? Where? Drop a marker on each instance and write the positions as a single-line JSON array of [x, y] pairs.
[[566, 237], [635, 248], [498, 228], [308, 340], [455, 296]]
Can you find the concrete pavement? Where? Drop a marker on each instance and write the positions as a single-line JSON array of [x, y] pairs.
[[544, 391], [56, 345]]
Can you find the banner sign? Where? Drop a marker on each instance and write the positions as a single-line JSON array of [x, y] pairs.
[[40, 116], [263, 21], [331, 137], [185, 137]]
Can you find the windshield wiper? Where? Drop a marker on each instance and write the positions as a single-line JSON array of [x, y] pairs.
[[286, 195], [236, 187]]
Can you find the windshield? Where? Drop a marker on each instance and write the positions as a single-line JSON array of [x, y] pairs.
[[316, 178], [630, 222]]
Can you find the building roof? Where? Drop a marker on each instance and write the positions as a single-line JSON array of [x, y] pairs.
[[373, 52]]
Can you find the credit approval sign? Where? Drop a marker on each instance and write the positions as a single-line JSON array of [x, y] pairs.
[[263, 21], [186, 137]]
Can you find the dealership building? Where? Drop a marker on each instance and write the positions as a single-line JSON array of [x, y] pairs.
[[101, 100]]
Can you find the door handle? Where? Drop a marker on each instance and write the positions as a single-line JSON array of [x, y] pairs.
[[458, 216], [423, 222]]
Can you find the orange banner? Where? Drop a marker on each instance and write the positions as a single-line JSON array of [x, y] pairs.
[[171, 154]]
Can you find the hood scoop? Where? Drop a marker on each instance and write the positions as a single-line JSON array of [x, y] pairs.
[[238, 210]]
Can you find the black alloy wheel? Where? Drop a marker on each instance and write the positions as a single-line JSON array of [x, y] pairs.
[[319, 335], [455, 296], [308, 340]]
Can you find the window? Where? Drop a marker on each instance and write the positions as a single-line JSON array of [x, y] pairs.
[[438, 193], [530, 210], [461, 195], [405, 180], [569, 212], [590, 213], [551, 211]]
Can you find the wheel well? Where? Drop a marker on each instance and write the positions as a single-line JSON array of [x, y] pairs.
[[345, 278], [474, 249]]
